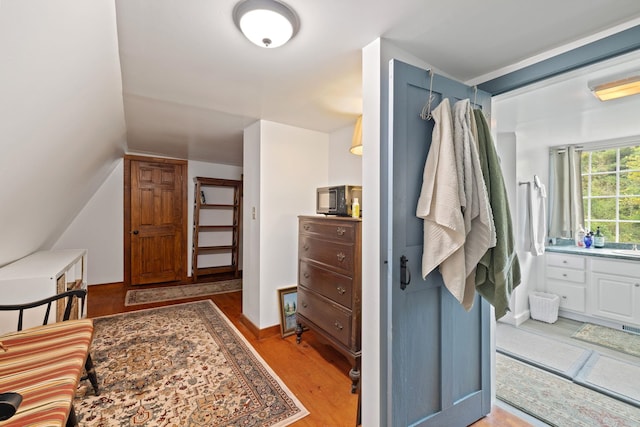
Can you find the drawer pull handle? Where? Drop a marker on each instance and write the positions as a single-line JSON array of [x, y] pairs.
[[342, 290], [304, 304], [637, 285], [340, 231], [305, 247], [564, 261], [564, 297], [341, 256], [564, 274], [338, 325], [306, 275], [306, 227]]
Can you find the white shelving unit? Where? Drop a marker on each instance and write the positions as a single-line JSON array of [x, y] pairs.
[[41, 275]]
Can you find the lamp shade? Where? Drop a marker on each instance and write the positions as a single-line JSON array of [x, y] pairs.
[[266, 23], [356, 141]]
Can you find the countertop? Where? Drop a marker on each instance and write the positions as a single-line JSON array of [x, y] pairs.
[[611, 252]]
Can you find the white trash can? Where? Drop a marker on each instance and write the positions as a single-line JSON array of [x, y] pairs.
[[544, 307]]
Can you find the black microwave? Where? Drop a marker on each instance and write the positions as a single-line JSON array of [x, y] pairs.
[[337, 200]]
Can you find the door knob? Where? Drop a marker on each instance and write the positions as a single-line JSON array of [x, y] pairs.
[[135, 232]]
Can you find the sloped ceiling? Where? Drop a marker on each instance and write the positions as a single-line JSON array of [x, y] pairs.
[[192, 82], [62, 121]]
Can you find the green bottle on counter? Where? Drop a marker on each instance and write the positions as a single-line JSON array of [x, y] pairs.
[[598, 239]]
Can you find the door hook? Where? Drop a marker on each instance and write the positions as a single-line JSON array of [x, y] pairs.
[[405, 273]]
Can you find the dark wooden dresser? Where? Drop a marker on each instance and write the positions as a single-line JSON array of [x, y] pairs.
[[330, 284]]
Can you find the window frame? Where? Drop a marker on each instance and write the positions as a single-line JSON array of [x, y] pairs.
[[587, 197]]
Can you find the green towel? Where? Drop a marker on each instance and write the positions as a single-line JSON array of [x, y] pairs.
[[498, 272]]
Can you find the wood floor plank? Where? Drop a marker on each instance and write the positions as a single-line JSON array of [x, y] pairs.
[[312, 370]]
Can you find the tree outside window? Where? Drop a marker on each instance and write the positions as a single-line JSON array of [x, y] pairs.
[[611, 192]]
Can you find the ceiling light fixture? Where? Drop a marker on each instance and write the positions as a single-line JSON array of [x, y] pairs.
[[616, 89], [266, 23], [356, 140]]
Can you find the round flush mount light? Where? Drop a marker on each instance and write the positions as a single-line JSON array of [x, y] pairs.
[[266, 23]]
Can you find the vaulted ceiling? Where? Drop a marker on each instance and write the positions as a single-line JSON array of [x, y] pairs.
[[192, 82]]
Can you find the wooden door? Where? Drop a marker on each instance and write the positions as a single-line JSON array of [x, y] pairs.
[[155, 227], [438, 355]]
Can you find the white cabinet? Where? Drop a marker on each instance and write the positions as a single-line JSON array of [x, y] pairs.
[[37, 276], [616, 290], [566, 277]]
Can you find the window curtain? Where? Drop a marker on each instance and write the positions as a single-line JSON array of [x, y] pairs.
[[566, 212]]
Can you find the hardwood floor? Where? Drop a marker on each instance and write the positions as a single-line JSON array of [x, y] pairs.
[[313, 371]]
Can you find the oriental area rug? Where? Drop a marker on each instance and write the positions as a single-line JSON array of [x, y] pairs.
[[181, 365], [625, 342], [558, 401], [177, 292]]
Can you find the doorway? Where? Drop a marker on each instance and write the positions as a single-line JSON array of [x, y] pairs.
[[155, 220]]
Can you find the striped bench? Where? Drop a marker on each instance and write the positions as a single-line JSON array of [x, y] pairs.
[[44, 364]]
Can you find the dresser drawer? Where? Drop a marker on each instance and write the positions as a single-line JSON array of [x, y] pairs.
[[341, 231], [563, 260], [571, 297], [334, 286], [568, 274], [327, 315], [339, 255]]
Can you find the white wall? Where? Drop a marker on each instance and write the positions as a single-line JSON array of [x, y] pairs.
[[292, 163], [62, 125], [98, 228], [344, 167], [251, 214]]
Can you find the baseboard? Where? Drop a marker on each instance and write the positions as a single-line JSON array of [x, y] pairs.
[[589, 319], [106, 284], [522, 317], [518, 320], [257, 332]]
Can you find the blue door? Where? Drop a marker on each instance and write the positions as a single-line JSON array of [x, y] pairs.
[[438, 355]]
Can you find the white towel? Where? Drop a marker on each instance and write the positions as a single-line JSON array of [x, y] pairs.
[[439, 206], [536, 218], [478, 218]]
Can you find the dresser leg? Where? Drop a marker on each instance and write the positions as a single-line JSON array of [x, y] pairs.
[[298, 332], [354, 374]]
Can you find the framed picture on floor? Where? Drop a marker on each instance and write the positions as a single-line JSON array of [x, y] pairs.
[[288, 306]]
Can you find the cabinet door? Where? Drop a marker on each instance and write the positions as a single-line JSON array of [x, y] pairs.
[[572, 297], [616, 297]]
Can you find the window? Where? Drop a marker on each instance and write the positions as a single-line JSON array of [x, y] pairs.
[[611, 192]]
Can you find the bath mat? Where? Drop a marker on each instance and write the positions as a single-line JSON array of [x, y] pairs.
[[558, 357], [177, 292], [557, 401], [625, 342], [613, 377]]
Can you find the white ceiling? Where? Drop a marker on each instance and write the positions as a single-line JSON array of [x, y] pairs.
[[192, 82]]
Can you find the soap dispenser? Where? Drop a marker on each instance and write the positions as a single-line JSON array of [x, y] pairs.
[[355, 208], [598, 239], [580, 234]]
